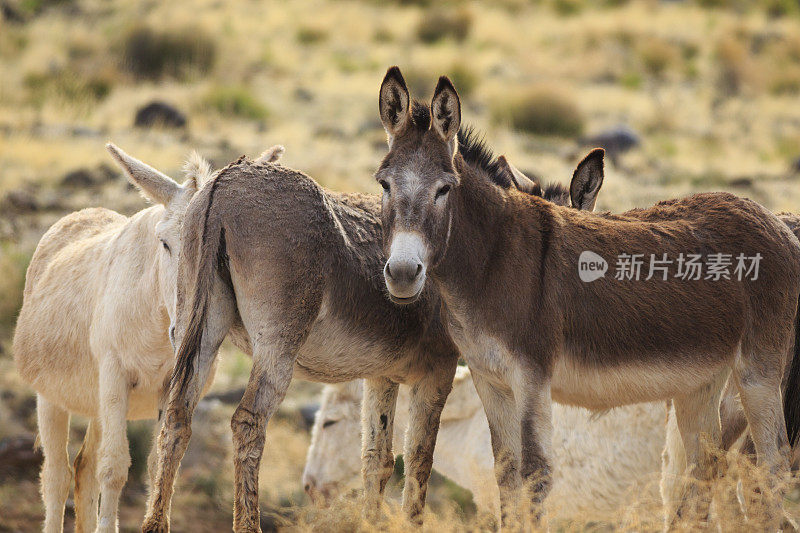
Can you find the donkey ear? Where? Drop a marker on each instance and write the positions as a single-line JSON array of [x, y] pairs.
[[520, 180], [446, 109], [393, 102], [587, 180], [153, 184]]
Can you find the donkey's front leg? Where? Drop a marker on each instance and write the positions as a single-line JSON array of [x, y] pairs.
[[377, 426], [428, 397], [535, 407], [504, 428], [114, 459], [270, 377]]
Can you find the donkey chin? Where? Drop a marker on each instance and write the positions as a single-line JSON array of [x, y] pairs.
[[405, 269]]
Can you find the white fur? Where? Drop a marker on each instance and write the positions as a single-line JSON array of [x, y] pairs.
[[92, 335], [407, 247], [602, 463]]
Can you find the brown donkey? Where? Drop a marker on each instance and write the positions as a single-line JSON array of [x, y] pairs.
[[507, 268], [293, 273]]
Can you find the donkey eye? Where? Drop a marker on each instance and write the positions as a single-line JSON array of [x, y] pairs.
[[328, 423], [385, 185], [166, 246], [442, 191]]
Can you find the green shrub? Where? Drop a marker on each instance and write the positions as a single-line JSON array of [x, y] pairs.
[[68, 85], [13, 264], [152, 54], [568, 7], [236, 101], [657, 56], [464, 78], [440, 24], [422, 81], [311, 34], [541, 111]]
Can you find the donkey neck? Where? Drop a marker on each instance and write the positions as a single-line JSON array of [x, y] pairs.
[[134, 259], [493, 233]]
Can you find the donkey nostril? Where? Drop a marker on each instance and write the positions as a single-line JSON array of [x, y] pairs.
[[308, 487], [419, 269], [389, 271]]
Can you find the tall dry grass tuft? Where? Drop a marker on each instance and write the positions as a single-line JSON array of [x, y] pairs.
[[155, 53], [542, 111]]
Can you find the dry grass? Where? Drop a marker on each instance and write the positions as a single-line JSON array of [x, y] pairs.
[[710, 85]]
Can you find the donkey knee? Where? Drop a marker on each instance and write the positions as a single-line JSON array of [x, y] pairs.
[[112, 472]]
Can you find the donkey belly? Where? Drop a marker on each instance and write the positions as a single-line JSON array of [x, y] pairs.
[[604, 387], [337, 351]]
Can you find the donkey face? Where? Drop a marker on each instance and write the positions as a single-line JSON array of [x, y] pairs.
[[417, 176], [165, 239], [331, 468]]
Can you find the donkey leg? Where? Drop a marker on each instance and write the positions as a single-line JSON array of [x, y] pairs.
[[697, 417], [273, 364], [377, 426], [114, 457], [176, 427], [535, 406], [763, 407], [56, 472], [673, 464], [428, 397], [87, 489], [504, 428]]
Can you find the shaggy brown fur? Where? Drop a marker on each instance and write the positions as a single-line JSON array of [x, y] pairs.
[[504, 261]]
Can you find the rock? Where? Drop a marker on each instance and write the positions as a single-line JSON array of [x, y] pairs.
[[796, 166], [159, 114], [85, 178], [20, 201], [19, 456], [11, 13], [615, 141]]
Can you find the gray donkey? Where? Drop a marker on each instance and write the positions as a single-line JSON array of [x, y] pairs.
[[292, 273]]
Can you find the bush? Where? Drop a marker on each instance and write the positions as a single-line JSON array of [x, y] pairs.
[[566, 8], [440, 24], [541, 111], [657, 56], [13, 264], [311, 34], [422, 81], [153, 54], [734, 66], [70, 86], [236, 101]]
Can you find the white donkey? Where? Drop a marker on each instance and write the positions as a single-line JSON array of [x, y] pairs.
[[92, 336], [605, 462]]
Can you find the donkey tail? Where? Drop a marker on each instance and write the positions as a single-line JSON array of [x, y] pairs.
[[791, 395], [200, 256]]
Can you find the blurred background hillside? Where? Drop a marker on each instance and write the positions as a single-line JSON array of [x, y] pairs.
[[686, 96]]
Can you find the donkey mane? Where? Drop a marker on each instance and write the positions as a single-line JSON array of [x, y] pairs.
[[477, 154]]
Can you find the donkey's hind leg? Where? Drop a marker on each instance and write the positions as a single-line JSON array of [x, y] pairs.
[[761, 399], [428, 397], [697, 418], [377, 427], [56, 472], [87, 489]]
